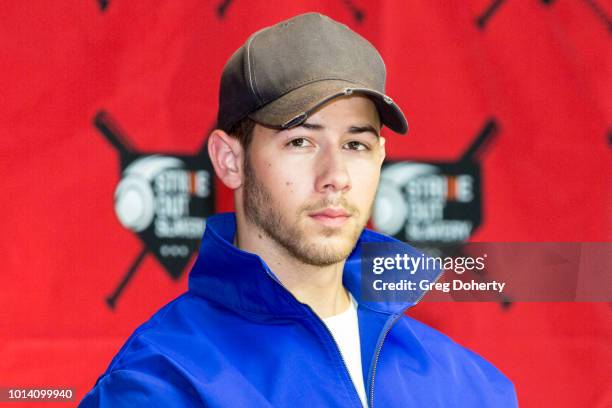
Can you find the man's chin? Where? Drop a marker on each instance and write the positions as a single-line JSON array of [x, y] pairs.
[[325, 252], [316, 244], [339, 240]]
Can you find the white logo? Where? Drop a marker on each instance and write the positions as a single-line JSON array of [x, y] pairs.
[[413, 199], [391, 208], [158, 189], [134, 199]]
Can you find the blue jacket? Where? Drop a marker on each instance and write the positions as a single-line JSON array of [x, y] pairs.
[[238, 338]]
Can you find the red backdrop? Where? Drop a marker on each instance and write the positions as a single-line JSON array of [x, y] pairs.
[[541, 69]]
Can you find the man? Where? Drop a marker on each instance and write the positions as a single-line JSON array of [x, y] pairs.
[[274, 316]]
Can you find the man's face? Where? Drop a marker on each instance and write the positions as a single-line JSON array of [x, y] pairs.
[[311, 188]]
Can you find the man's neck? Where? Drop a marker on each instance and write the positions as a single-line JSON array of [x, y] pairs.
[[320, 287]]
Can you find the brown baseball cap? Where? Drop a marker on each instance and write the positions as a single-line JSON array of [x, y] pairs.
[[285, 72]]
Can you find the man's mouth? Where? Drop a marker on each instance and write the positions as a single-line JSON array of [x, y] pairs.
[[331, 217]]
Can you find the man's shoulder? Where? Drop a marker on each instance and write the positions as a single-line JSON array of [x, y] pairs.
[[148, 363], [138, 336], [447, 353], [167, 335]]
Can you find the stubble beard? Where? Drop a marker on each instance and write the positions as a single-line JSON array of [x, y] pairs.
[[261, 210]]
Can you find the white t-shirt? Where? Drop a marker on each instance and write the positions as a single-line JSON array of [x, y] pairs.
[[345, 329]]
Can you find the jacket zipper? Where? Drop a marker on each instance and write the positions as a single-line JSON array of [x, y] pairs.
[[382, 340], [377, 355], [378, 349], [320, 321], [341, 357]]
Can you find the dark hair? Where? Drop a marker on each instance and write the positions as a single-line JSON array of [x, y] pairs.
[[243, 131]]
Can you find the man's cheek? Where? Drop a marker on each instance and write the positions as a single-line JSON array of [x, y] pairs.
[[289, 186], [366, 179]]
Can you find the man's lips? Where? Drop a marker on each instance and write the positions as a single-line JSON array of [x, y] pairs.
[[331, 217], [331, 212]]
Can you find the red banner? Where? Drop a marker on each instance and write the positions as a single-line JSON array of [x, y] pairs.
[[508, 103]]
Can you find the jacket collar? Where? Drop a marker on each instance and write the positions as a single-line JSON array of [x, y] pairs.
[[242, 281]]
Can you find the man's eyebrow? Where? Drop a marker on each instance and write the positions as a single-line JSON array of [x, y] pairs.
[[352, 129], [312, 126], [364, 128]]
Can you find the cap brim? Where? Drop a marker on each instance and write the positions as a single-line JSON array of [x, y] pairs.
[[294, 107]]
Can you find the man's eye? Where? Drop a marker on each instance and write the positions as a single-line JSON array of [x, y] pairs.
[[298, 142], [355, 145]]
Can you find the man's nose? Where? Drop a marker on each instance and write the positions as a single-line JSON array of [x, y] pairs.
[[332, 172]]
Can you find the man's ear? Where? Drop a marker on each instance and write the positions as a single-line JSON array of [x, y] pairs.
[[226, 155]]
